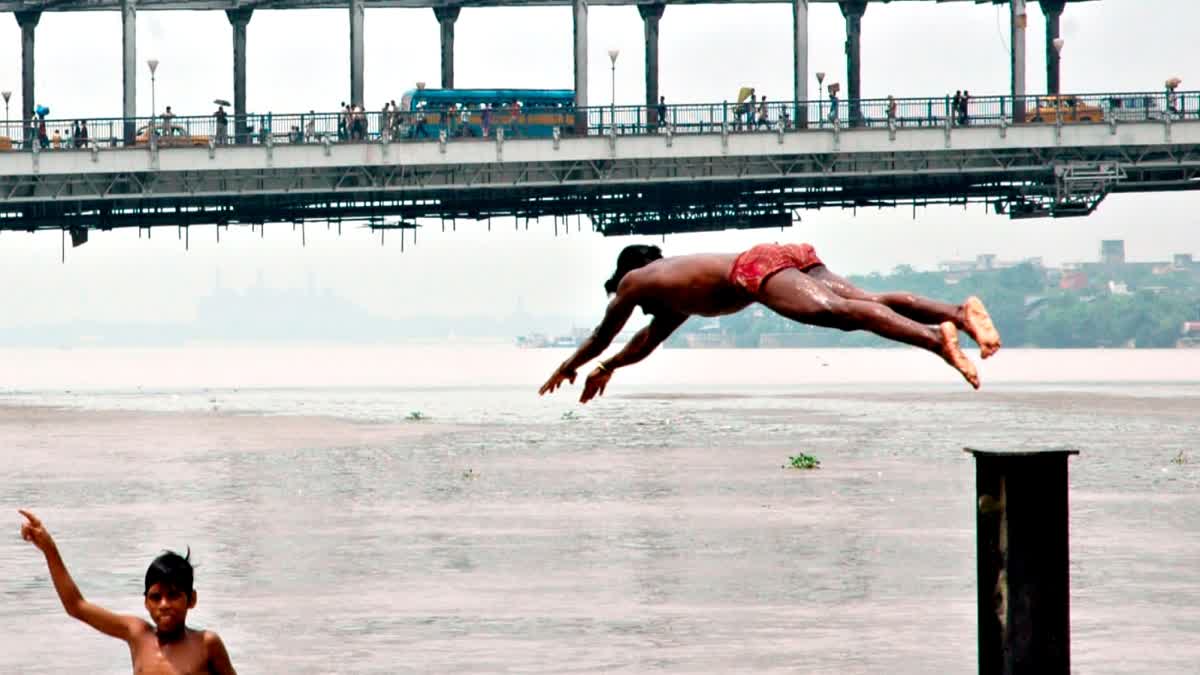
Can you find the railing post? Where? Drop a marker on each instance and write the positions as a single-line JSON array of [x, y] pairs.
[[1022, 549]]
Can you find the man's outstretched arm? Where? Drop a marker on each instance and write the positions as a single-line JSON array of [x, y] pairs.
[[618, 312], [116, 625], [645, 341]]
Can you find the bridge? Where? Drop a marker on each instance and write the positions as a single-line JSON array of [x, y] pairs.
[[629, 173], [240, 12]]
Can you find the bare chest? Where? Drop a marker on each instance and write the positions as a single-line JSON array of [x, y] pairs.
[[186, 657]]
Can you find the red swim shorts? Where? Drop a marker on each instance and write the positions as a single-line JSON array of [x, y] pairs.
[[752, 268]]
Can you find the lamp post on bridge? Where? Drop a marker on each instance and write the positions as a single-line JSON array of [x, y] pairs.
[[612, 114], [6, 95], [820, 81], [1058, 43], [153, 63]]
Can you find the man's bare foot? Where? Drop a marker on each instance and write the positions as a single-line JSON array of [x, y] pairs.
[[955, 356], [978, 325]]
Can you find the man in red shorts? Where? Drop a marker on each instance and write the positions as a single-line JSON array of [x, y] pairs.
[[789, 279]]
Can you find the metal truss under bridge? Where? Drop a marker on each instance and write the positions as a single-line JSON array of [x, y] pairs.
[[650, 184]]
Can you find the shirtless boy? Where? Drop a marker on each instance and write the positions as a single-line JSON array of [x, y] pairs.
[[168, 647], [787, 278]]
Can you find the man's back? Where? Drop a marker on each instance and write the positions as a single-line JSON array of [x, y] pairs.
[[687, 284]]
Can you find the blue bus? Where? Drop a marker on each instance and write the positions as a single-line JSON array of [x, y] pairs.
[[524, 113]]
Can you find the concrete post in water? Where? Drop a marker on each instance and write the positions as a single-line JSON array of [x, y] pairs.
[[446, 16], [579, 13], [1053, 10], [1019, 22], [356, 52], [800, 62], [1022, 549], [853, 10], [651, 14], [239, 19], [28, 21]]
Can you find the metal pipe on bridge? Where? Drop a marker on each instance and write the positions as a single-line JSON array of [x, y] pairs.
[[1053, 10], [129, 69], [1019, 21], [853, 10], [651, 14], [356, 52], [579, 13], [28, 21], [446, 16], [800, 62], [239, 19], [1023, 562]]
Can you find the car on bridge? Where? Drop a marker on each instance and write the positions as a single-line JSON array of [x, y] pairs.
[[173, 136], [1069, 109], [5, 143], [1139, 107]]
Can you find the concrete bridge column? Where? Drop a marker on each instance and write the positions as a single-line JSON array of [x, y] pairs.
[[239, 19], [800, 62], [853, 10], [1019, 21], [579, 14], [446, 16], [1053, 10], [129, 69], [651, 14], [28, 22], [356, 52]]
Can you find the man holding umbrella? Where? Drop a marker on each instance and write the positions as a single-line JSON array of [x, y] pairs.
[[222, 121]]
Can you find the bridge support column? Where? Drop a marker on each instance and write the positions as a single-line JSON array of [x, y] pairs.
[[28, 22], [853, 10], [239, 19], [129, 69], [1053, 10], [1019, 21], [579, 15], [356, 52], [800, 62], [446, 16], [651, 14]]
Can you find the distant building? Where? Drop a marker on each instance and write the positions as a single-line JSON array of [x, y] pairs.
[[1112, 252]]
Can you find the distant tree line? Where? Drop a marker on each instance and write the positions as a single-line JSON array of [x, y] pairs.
[[1028, 311]]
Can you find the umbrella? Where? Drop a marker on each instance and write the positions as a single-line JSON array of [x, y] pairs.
[[1173, 82], [221, 101], [743, 94]]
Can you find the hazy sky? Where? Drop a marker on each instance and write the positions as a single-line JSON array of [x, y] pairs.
[[299, 60]]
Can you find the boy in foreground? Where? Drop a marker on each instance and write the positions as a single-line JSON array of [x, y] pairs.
[[168, 647]]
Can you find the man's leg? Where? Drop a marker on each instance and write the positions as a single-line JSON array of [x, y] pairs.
[[800, 297], [971, 316]]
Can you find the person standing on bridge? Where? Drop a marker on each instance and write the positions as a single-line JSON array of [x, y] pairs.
[[222, 125], [787, 278]]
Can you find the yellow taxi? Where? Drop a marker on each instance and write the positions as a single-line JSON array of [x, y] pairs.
[[172, 136], [1067, 108], [5, 143]]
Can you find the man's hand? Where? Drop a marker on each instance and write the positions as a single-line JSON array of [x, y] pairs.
[[556, 380], [34, 532], [597, 380]]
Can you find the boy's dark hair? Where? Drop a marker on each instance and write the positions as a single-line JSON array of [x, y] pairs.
[[172, 570], [631, 258]]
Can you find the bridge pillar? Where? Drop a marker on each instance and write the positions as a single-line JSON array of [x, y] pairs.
[[800, 62], [579, 14], [651, 14], [853, 10], [239, 19], [1019, 21], [1053, 10], [356, 52], [129, 69], [28, 22], [446, 16]]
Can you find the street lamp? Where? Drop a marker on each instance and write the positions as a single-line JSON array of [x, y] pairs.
[[612, 56], [6, 95], [153, 63], [820, 81]]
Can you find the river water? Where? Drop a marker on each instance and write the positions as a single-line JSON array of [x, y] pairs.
[[653, 531]]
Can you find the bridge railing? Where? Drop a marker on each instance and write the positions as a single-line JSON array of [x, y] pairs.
[[50, 134]]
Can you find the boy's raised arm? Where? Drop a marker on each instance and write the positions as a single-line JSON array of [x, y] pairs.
[[116, 625]]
